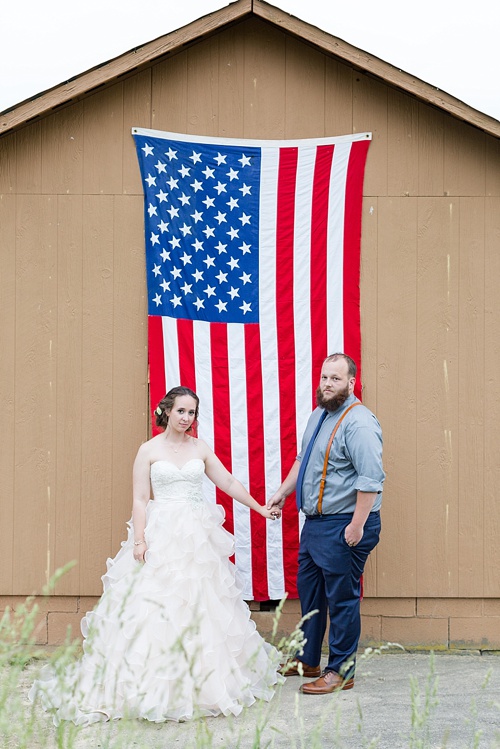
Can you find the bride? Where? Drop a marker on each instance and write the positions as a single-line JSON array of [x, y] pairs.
[[171, 637]]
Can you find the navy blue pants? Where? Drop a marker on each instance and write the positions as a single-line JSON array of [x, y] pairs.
[[329, 580]]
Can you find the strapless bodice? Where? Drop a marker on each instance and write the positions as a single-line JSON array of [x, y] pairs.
[[174, 484]]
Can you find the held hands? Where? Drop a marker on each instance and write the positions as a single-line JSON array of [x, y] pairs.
[[273, 514], [276, 503]]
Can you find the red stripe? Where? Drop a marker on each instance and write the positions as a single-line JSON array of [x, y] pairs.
[[319, 248], [185, 345], [221, 410], [156, 366], [256, 458], [285, 220], [352, 253]]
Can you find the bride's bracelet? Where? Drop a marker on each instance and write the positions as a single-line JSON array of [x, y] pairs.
[[138, 543]]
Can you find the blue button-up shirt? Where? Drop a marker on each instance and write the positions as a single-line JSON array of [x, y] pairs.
[[354, 463]]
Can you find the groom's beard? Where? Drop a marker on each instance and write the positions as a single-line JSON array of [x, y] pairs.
[[329, 401]]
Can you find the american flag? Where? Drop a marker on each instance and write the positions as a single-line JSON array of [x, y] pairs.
[[252, 262]]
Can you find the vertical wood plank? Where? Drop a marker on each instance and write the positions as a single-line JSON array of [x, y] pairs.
[[402, 144], [464, 166], [305, 91], [370, 115], [69, 390], [491, 400], [103, 142], [169, 94], [437, 397], [203, 88], [136, 113], [130, 413], [7, 382], [471, 399], [231, 82], [430, 151], [8, 169], [338, 98], [35, 401], [492, 158], [29, 159], [62, 151], [396, 322], [97, 390]]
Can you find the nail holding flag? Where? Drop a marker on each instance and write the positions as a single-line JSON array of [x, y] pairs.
[[252, 266]]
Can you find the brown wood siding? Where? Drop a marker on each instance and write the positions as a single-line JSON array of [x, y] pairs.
[[73, 321]]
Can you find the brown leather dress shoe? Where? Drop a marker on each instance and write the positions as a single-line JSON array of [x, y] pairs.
[[329, 682], [292, 669]]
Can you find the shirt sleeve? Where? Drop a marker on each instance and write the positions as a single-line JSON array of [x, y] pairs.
[[364, 444]]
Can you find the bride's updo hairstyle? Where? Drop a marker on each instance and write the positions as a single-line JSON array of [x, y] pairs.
[[167, 403]]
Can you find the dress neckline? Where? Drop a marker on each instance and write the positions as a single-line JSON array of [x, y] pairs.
[[170, 462]]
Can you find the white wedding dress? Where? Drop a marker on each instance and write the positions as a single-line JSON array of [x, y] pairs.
[[170, 639]]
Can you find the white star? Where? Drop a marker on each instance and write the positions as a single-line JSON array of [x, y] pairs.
[[245, 160], [232, 174], [233, 233], [186, 258], [245, 190], [161, 167], [220, 159], [208, 231], [199, 303], [233, 292], [150, 180], [221, 306], [176, 272], [232, 203], [173, 183], [165, 255], [176, 300], [209, 291], [233, 263], [221, 217], [197, 275], [246, 307], [208, 173], [221, 277], [184, 171], [175, 242], [186, 288], [185, 199], [157, 299], [185, 229], [165, 285], [156, 270], [148, 150], [195, 157], [197, 245], [196, 185], [209, 202], [245, 278], [221, 247], [162, 196], [162, 226], [152, 210], [244, 248], [196, 216], [209, 261], [171, 154], [174, 212], [245, 219], [155, 239], [220, 187]]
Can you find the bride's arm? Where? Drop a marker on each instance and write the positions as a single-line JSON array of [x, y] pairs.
[[225, 481], [141, 495]]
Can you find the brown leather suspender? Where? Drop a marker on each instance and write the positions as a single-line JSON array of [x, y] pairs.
[[327, 455]]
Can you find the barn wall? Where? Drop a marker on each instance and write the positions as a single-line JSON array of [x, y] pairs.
[[73, 370]]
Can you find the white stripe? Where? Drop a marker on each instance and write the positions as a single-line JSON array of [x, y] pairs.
[[335, 251], [203, 370], [270, 374], [170, 352], [239, 446]]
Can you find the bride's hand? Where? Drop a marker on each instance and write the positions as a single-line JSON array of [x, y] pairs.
[[139, 552], [273, 514]]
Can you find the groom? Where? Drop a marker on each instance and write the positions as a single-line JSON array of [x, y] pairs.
[[338, 484]]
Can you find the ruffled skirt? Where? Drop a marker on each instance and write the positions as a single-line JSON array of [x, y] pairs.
[[170, 639]]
